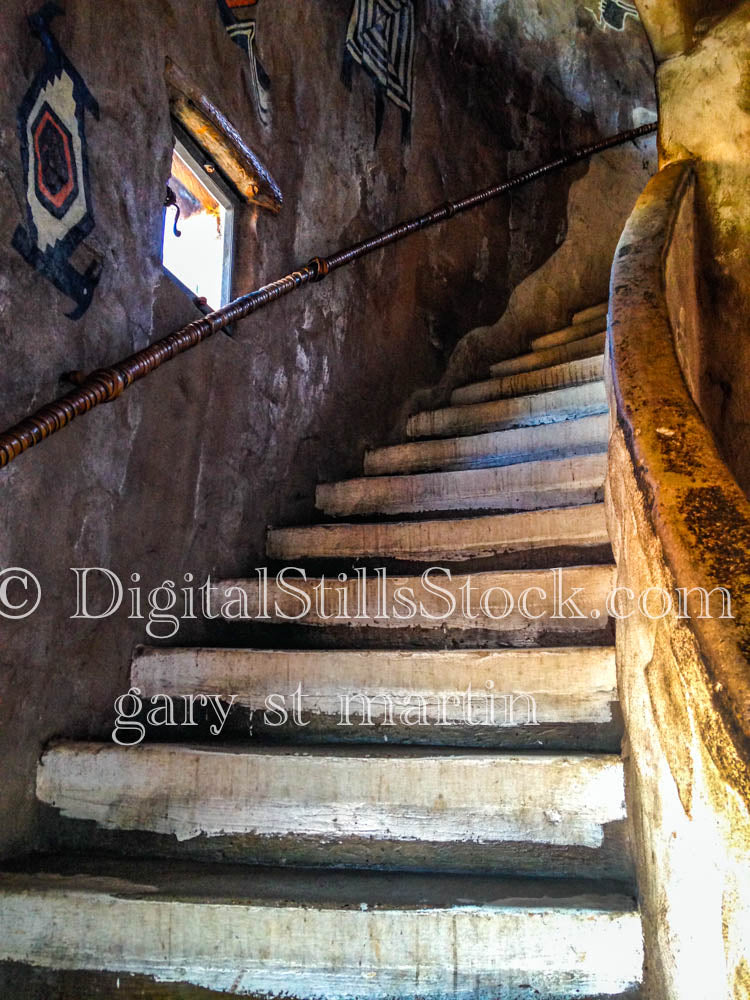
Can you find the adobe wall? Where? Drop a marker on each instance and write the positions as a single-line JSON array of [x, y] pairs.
[[704, 98]]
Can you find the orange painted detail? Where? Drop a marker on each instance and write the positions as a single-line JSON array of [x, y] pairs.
[[58, 199]]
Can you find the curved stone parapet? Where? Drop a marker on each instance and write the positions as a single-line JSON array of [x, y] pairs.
[[678, 519], [699, 515]]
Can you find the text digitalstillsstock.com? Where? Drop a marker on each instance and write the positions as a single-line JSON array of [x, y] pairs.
[[435, 596], [485, 600]]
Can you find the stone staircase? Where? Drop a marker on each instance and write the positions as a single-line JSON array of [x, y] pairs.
[[437, 843]]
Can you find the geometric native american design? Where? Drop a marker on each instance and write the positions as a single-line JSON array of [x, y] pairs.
[[242, 29], [55, 167], [381, 39], [614, 13]]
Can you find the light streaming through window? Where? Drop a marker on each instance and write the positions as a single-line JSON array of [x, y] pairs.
[[197, 248]]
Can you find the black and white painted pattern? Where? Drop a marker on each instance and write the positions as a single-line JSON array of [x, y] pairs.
[[243, 31], [381, 39], [614, 14]]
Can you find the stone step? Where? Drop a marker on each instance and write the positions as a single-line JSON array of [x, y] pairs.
[[585, 348], [551, 698], [316, 935], [581, 436], [448, 539], [529, 813], [526, 486], [524, 606], [556, 377], [569, 334], [584, 314], [549, 407]]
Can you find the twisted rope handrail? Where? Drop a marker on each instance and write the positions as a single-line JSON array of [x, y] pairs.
[[106, 384]]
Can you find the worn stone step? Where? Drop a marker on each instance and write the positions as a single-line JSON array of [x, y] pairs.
[[524, 813], [448, 539], [477, 451], [318, 935], [569, 334], [525, 486], [584, 314], [525, 607], [549, 407], [560, 376], [25, 982], [585, 348], [552, 698]]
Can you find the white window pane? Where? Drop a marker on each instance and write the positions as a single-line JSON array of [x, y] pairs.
[[199, 255]]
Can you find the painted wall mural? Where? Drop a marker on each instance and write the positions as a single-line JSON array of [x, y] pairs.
[[242, 28], [51, 128], [613, 14], [381, 39]]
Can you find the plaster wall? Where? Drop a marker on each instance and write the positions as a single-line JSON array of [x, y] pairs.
[[186, 470], [672, 25], [704, 98]]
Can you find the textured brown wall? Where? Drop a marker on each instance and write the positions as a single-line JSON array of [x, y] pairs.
[[184, 472]]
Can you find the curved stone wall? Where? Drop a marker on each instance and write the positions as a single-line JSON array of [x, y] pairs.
[[678, 519]]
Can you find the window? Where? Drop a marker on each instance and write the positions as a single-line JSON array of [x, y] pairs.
[[198, 227]]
